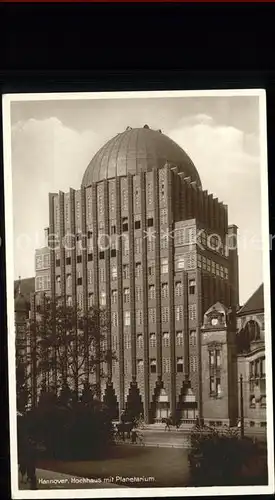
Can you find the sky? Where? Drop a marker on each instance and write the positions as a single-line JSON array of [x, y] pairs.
[[53, 142]]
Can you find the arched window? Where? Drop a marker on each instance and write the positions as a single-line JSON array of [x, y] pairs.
[[253, 330]]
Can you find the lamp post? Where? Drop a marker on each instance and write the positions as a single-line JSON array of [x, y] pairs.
[[241, 406]]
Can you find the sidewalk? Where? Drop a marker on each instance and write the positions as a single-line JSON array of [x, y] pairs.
[[55, 480]]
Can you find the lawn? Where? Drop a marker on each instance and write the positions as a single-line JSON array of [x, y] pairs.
[[167, 466]]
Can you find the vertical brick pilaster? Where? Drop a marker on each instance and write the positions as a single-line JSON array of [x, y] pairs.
[[170, 181], [145, 296]]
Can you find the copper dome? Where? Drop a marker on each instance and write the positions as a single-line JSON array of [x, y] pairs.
[[137, 150]]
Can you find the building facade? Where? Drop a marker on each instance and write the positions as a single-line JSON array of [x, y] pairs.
[[142, 239], [251, 359]]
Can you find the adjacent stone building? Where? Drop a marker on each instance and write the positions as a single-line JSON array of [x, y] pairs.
[[251, 359]]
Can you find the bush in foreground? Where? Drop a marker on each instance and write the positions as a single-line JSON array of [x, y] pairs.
[[222, 458], [71, 432]]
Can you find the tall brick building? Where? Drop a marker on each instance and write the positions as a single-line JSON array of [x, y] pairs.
[[149, 244]]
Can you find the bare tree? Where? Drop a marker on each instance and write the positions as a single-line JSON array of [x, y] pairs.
[[71, 344]]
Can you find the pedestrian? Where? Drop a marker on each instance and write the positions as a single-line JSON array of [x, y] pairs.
[[134, 436]]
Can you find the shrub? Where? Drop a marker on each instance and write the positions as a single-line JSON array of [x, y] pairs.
[[221, 458], [80, 432]]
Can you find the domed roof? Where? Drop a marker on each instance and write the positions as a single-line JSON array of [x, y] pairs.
[[137, 150]]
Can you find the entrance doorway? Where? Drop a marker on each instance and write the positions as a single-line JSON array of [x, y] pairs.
[[162, 406]]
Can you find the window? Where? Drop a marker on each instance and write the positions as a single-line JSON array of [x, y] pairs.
[[215, 363], [153, 340], [90, 257], [124, 199], [57, 262], [152, 315], [127, 318], [138, 269], [164, 242], [179, 236], [114, 318], [179, 365], [80, 300], [164, 266], [101, 255], [193, 363], [164, 314], [162, 190], [125, 224], [139, 317], [192, 287], [150, 245], [151, 268], [102, 299], [166, 365], [127, 341], [138, 245], [79, 281], [178, 313], [199, 260], [152, 292], [46, 260], [136, 196], [166, 339], [208, 265], [79, 259], [68, 261], [137, 224], [218, 386], [163, 216], [138, 293], [125, 271], [113, 273], [178, 288], [153, 366], [193, 338], [112, 200], [179, 338], [113, 229], [140, 366], [114, 296], [91, 299], [126, 295], [212, 386], [150, 222], [113, 252], [164, 290], [226, 273], [179, 262], [192, 312], [125, 246], [102, 274], [149, 192], [100, 203], [114, 342], [140, 341], [69, 300], [90, 276]]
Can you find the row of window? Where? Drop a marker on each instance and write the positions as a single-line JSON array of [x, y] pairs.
[[257, 368], [43, 283], [212, 267], [151, 314], [152, 291], [42, 261]]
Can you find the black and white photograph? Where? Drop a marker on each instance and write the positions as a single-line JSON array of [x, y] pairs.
[[138, 292]]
